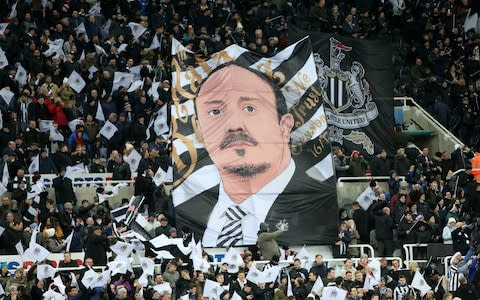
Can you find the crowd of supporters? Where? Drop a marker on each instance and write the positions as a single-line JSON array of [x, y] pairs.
[[425, 199], [438, 64]]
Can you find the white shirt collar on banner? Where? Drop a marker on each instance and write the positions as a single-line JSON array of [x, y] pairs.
[[256, 206]]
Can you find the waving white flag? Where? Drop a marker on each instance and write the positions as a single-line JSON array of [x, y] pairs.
[[5, 174], [420, 284], [3, 59], [3, 26], [21, 75], [6, 95], [155, 43], [45, 271], [69, 241], [122, 79], [133, 160], [34, 165], [99, 115], [137, 29], [76, 82], [108, 130]]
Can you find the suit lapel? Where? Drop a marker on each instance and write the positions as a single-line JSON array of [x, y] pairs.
[[200, 206]]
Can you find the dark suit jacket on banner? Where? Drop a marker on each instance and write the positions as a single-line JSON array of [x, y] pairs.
[[301, 210]]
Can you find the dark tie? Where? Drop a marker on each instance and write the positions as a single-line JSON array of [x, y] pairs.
[[231, 233]]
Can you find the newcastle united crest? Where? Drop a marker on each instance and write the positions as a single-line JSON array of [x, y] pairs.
[[349, 104]]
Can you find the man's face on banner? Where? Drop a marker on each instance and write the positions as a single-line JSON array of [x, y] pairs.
[[239, 122]]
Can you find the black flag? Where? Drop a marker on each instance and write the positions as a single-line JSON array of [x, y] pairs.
[[357, 87]]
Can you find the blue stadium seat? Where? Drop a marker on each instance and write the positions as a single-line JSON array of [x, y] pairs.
[[398, 115]]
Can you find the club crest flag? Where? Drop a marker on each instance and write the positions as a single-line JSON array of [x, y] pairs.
[[356, 84], [251, 130]]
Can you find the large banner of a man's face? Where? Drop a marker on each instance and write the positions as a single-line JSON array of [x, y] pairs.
[[251, 150]]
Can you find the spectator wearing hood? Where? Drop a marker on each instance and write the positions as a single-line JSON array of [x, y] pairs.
[[447, 231], [358, 164]]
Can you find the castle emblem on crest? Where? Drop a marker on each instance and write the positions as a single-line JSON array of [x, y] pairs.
[[349, 103]]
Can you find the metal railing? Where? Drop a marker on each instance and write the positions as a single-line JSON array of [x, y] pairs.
[[409, 252], [427, 115], [366, 178], [363, 247], [330, 262], [462, 170], [446, 263]]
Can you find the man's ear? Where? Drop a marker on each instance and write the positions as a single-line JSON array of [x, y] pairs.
[[197, 130], [286, 125]]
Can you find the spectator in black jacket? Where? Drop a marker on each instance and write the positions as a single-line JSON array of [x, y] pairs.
[[299, 290], [461, 239], [32, 134], [12, 235], [96, 248], [45, 163], [49, 211], [344, 238], [145, 186], [121, 170], [85, 210], [406, 230], [67, 261], [63, 190], [67, 218], [380, 165], [360, 217], [384, 232], [79, 235], [164, 227], [466, 290], [298, 271], [319, 267], [62, 157]]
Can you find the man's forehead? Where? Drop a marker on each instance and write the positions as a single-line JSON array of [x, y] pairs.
[[234, 78]]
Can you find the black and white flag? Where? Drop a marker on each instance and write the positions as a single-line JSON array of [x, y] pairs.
[[356, 83], [292, 73]]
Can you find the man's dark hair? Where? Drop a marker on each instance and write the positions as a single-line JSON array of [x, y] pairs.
[[279, 98]]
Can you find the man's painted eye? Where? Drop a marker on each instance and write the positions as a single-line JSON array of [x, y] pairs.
[[214, 112], [249, 108]]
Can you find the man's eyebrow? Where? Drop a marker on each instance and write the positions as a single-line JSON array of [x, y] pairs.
[[246, 98], [214, 101]]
